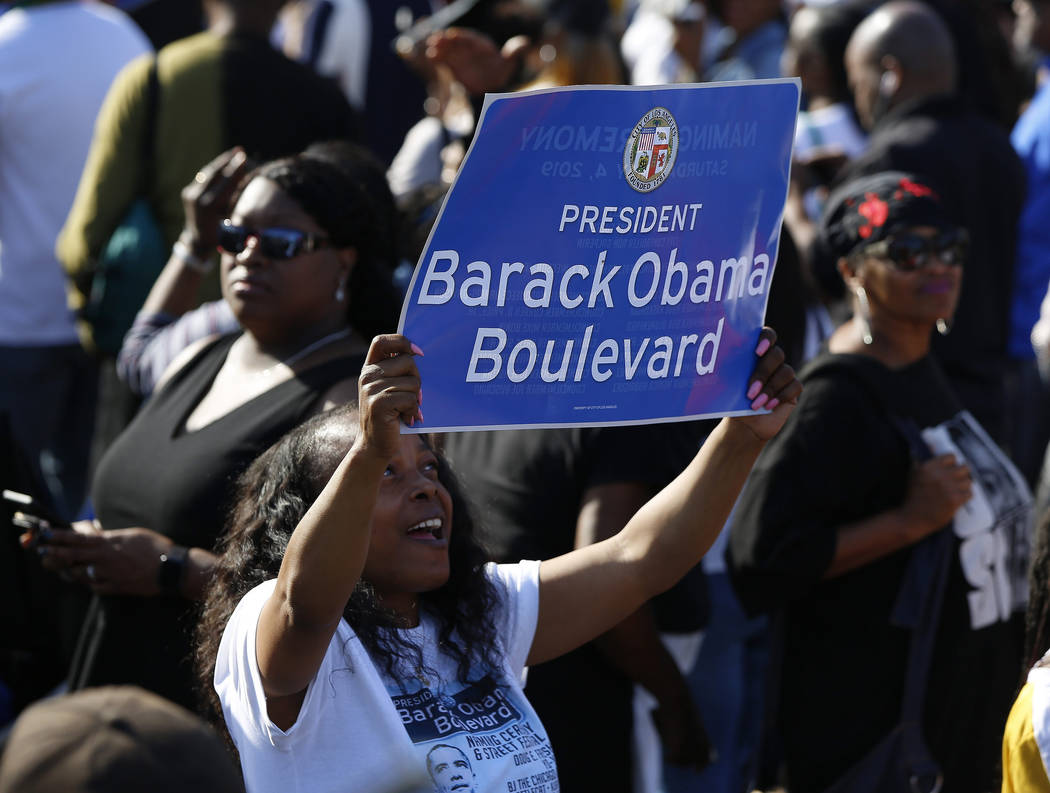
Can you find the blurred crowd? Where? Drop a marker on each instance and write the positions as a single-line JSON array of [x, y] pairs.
[[209, 208]]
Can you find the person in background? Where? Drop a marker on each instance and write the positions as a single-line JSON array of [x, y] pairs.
[[842, 512], [168, 323], [901, 66], [752, 41], [224, 87], [480, 48], [352, 42], [57, 61], [828, 133], [1031, 392], [115, 738], [680, 60], [48, 106], [299, 279]]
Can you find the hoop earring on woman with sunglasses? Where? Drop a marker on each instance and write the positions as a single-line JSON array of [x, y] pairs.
[[944, 326], [863, 314]]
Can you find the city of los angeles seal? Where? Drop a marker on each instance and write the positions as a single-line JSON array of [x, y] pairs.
[[651, 149]]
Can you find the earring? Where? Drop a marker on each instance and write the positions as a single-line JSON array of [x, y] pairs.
[[944, 326], [340, 293], [863, 314]]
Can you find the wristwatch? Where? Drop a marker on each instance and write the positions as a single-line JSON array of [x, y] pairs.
[[172, 570]]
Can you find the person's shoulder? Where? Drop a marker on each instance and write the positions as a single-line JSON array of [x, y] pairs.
[[515, 578], [842, 381], [189, 356], [189, 53]]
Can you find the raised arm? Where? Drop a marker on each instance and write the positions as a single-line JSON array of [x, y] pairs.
[[327, 550], [584, 593], [165, 326]]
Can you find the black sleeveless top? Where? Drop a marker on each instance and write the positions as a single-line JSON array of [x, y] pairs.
[[181, 484]]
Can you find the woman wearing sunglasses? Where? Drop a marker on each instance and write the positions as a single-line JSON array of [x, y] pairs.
[[300, 274], [878, 480]]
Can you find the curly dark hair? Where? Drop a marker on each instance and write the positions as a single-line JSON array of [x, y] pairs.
[[272, 497], [335, 184]]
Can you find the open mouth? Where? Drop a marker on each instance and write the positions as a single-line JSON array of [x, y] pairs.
[[430, 529]]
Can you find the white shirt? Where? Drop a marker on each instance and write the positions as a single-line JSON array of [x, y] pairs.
[[56, 64], [360, 731]]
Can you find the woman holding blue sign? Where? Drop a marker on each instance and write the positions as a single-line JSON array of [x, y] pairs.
[[373, 649]]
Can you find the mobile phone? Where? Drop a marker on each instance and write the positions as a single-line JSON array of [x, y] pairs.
[[29, 510]]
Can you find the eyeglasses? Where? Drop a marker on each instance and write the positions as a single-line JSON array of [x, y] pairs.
[[910, 252], [274, 243]]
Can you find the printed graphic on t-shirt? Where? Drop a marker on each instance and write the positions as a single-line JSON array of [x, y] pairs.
[[480, 737], [993, 526]]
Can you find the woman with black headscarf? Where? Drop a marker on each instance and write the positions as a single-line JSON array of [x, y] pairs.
[[879, 476]]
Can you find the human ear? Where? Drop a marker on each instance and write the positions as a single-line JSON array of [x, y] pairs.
[[847, 272], [347, 262], [890, 80]]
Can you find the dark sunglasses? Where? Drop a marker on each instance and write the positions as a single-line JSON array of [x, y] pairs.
[[910, 252], [274, 243]]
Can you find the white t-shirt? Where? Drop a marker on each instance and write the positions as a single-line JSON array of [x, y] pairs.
[[56, 64], [360, 731]]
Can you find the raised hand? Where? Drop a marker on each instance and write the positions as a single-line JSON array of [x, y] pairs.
[[388, 394], [206, 200]]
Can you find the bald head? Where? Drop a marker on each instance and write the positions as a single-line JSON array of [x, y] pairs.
[[901, 51]]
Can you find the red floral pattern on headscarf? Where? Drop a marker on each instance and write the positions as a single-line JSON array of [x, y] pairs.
[[869, 208], [875, 210], [918, 190]]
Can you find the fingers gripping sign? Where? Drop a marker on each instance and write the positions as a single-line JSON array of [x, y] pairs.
[[773, 387], [389, 393]]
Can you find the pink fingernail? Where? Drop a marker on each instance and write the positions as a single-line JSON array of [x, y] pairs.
[[763, 345], [759, 402], [411, 421], [420, 412], [421, 397], [752, 392], [417, 351], [772, 403]]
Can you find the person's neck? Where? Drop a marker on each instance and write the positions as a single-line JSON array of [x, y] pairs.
[[263, 346], [819, 102], [895, 343], [405, 606]]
